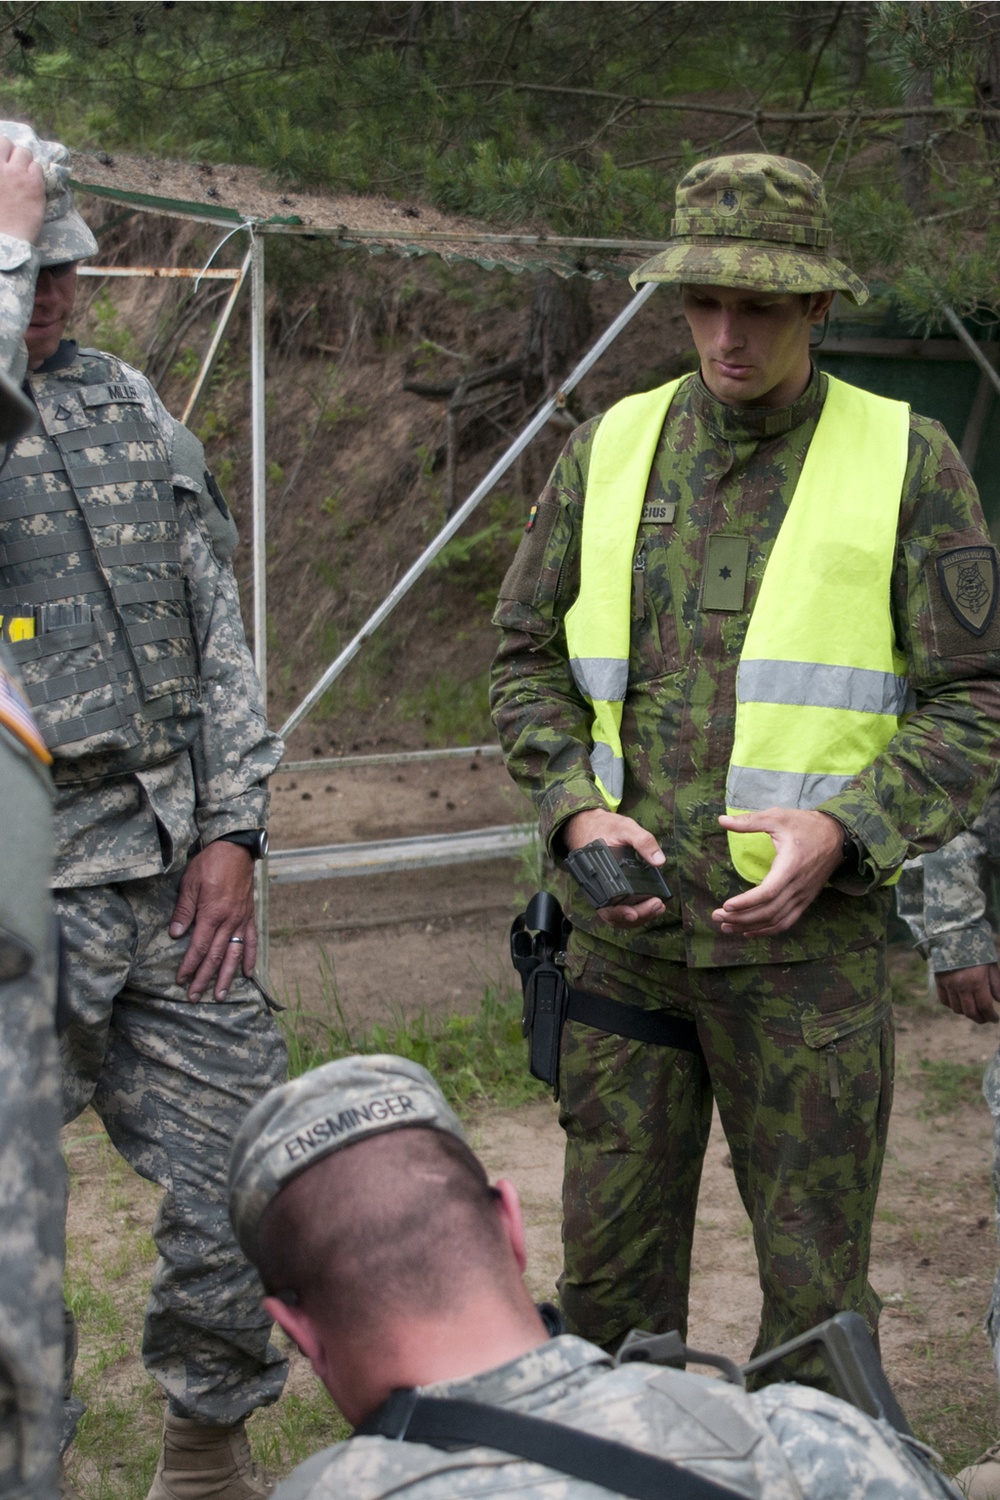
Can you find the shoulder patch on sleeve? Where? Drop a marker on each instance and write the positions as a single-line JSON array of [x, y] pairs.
[[969, 584], [187, 461], [964, 586], [16, 715]]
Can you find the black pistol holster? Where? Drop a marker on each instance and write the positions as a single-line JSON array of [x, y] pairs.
[[538, 939]]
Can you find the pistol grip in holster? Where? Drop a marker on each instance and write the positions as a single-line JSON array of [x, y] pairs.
[[538, 939], [546, 995]]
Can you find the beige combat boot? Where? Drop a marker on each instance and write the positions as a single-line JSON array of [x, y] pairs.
[[981, 1480], [206, 1463]]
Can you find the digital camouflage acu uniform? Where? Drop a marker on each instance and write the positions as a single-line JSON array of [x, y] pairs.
[[785, 1443], [943, 898], [795, 1029], [114, 547], [31, 1172]]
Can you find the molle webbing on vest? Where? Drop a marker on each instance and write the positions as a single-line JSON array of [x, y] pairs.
[[88, 517]]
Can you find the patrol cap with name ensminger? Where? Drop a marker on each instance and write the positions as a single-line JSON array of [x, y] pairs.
[[337, 1105]]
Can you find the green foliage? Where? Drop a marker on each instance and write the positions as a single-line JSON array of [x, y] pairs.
[[453, 713], [475, 1058], [111, 333]]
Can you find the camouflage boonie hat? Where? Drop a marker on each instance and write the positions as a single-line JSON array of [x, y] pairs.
[[64, 235], [296, 1125], [757, 222]]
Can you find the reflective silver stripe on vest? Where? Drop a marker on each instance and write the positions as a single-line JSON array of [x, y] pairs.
[[601, 677], [609, 768], [814, 685], [752, 789]]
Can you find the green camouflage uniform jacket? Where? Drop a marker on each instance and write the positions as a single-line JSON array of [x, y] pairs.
[[729, 471], [145, 822], [785, 1443]]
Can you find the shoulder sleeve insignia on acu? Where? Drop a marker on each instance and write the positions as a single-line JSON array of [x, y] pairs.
[[970, 586]]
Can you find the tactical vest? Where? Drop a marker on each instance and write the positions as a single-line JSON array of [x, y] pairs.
[[820, 685], [90, 558]]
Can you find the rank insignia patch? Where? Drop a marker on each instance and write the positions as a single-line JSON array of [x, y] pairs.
[[969, 583]]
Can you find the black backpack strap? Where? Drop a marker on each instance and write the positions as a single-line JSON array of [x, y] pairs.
[[407, 1417]]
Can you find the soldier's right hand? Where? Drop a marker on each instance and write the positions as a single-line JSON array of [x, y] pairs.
[[972, 992], [615, 829], [22, 192]]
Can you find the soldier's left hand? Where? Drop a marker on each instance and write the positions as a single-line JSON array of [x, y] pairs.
[[215, 902], [808, 847], [972, 992]]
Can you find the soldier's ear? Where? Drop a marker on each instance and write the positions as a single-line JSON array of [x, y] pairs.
[[819, 306], [512, 1219]]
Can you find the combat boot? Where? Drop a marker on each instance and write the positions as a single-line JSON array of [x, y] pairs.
[[206, 1463], [981, 1480]]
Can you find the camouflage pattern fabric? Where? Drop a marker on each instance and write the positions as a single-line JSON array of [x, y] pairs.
[[723, 470], [942, 896], [172, 1081], [31, 1172], [943, 899], [19, 264], [726, 471], [799, 1061], [753, 221], [782, 1444], [123, 827], [65, 235]]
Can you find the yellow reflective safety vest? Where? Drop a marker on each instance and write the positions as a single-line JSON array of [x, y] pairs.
[[820, 686]]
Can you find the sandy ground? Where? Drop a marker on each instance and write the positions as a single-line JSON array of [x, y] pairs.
[[432, 940]]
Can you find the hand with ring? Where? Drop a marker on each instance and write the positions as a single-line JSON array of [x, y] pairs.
[[215, 906]]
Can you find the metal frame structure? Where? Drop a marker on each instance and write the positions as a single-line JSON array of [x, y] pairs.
[[396, 854]]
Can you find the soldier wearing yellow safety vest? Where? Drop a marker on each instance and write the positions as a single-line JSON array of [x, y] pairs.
[[752, 632]]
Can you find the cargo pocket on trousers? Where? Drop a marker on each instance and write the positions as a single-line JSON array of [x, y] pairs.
[[845, 1112]]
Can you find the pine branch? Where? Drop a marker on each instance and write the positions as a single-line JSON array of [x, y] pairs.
[[752, 116]]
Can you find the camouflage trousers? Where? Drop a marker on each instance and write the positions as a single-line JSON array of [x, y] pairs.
[[991, 1092], [172, 1081], [798, 1059]]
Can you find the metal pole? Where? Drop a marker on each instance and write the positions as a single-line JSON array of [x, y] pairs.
[[259, 494], [464, 511], [208, 362], [963, 333]]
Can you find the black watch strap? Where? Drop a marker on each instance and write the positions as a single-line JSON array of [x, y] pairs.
[[253, 839]]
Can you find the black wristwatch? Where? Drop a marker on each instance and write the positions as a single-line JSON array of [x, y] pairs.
[[254, 839]]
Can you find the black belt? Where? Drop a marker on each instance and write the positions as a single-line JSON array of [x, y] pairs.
[[638, 1025]]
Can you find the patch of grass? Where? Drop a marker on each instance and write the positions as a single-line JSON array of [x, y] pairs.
[[300, 1425], [949, 1085], [959, 1430], [453, 713], [116, 1448], [475, 1058]]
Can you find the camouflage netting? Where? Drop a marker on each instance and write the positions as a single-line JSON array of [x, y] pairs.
[[228, 195]]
